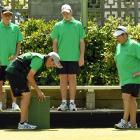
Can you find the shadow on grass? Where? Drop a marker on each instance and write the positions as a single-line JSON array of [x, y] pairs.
[[135, 129], [34, 130]]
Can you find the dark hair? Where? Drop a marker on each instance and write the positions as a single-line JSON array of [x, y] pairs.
[[45, 58], [124, 33]]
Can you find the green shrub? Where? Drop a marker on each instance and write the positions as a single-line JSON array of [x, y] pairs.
[[37, 39], [37, 35], [99, 68]]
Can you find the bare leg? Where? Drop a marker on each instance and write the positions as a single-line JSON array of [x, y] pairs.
[[126, 103], [133, 110], [72, 85], [1, 95], [15, 106], [63, 85], [25, 101], [14, 99]]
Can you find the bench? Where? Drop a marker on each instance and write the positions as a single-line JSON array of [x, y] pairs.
[[90, 92]]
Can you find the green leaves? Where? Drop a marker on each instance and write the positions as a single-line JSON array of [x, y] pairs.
[[99, 68], [37, 39], [100, 48], [37, 35]]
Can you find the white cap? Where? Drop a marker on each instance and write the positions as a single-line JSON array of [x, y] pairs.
[[120, 30], [56, 59], [6, 11], [66, 8]]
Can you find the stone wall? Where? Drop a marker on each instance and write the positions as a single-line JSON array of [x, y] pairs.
[[50, 9]]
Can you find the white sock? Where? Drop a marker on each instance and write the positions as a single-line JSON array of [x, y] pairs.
[[0, 105], [64, 101], [71, 101], [13, 103]]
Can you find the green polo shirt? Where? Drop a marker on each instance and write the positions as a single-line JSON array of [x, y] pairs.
[[128, 61], [34, 61], [9, 37], [68, 35]]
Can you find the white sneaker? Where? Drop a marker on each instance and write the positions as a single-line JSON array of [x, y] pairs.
[[72, 107], [121, 125], [134, 126], [63, 107], [15, 107], [0, 107], [26, 126]]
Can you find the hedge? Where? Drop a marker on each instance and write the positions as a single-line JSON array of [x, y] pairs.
[[99, 68]]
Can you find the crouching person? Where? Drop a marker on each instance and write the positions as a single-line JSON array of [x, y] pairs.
[[21, 73]]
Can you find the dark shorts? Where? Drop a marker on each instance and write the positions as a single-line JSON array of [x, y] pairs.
[[132, 89], [69, 67], [18, 83], [2, 73]]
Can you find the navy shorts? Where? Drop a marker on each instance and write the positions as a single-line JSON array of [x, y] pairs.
[[2, 73], [18, 83], [132, 89], [69, 67]]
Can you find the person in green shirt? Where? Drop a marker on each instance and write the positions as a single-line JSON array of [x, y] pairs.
[[21, 72], [68, 41], [10, 38], [127, 59]]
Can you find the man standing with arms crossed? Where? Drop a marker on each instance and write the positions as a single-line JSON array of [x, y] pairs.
[[68, 41], [10, 38]]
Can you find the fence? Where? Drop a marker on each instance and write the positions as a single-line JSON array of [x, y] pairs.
[[99, 9], [19, 8]]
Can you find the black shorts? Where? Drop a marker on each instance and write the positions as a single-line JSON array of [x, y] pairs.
[[18, 83], [69, 67], [132, 89], [2, 73]]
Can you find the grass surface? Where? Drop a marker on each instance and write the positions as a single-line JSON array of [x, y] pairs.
[[71, 134]]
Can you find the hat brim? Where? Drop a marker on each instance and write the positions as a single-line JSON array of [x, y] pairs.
[[58, 64], [65, 10], [118, 33], [7, 13]]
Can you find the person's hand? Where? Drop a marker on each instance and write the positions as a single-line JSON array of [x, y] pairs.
[[41, 96], [136, 74], [81, 61]]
